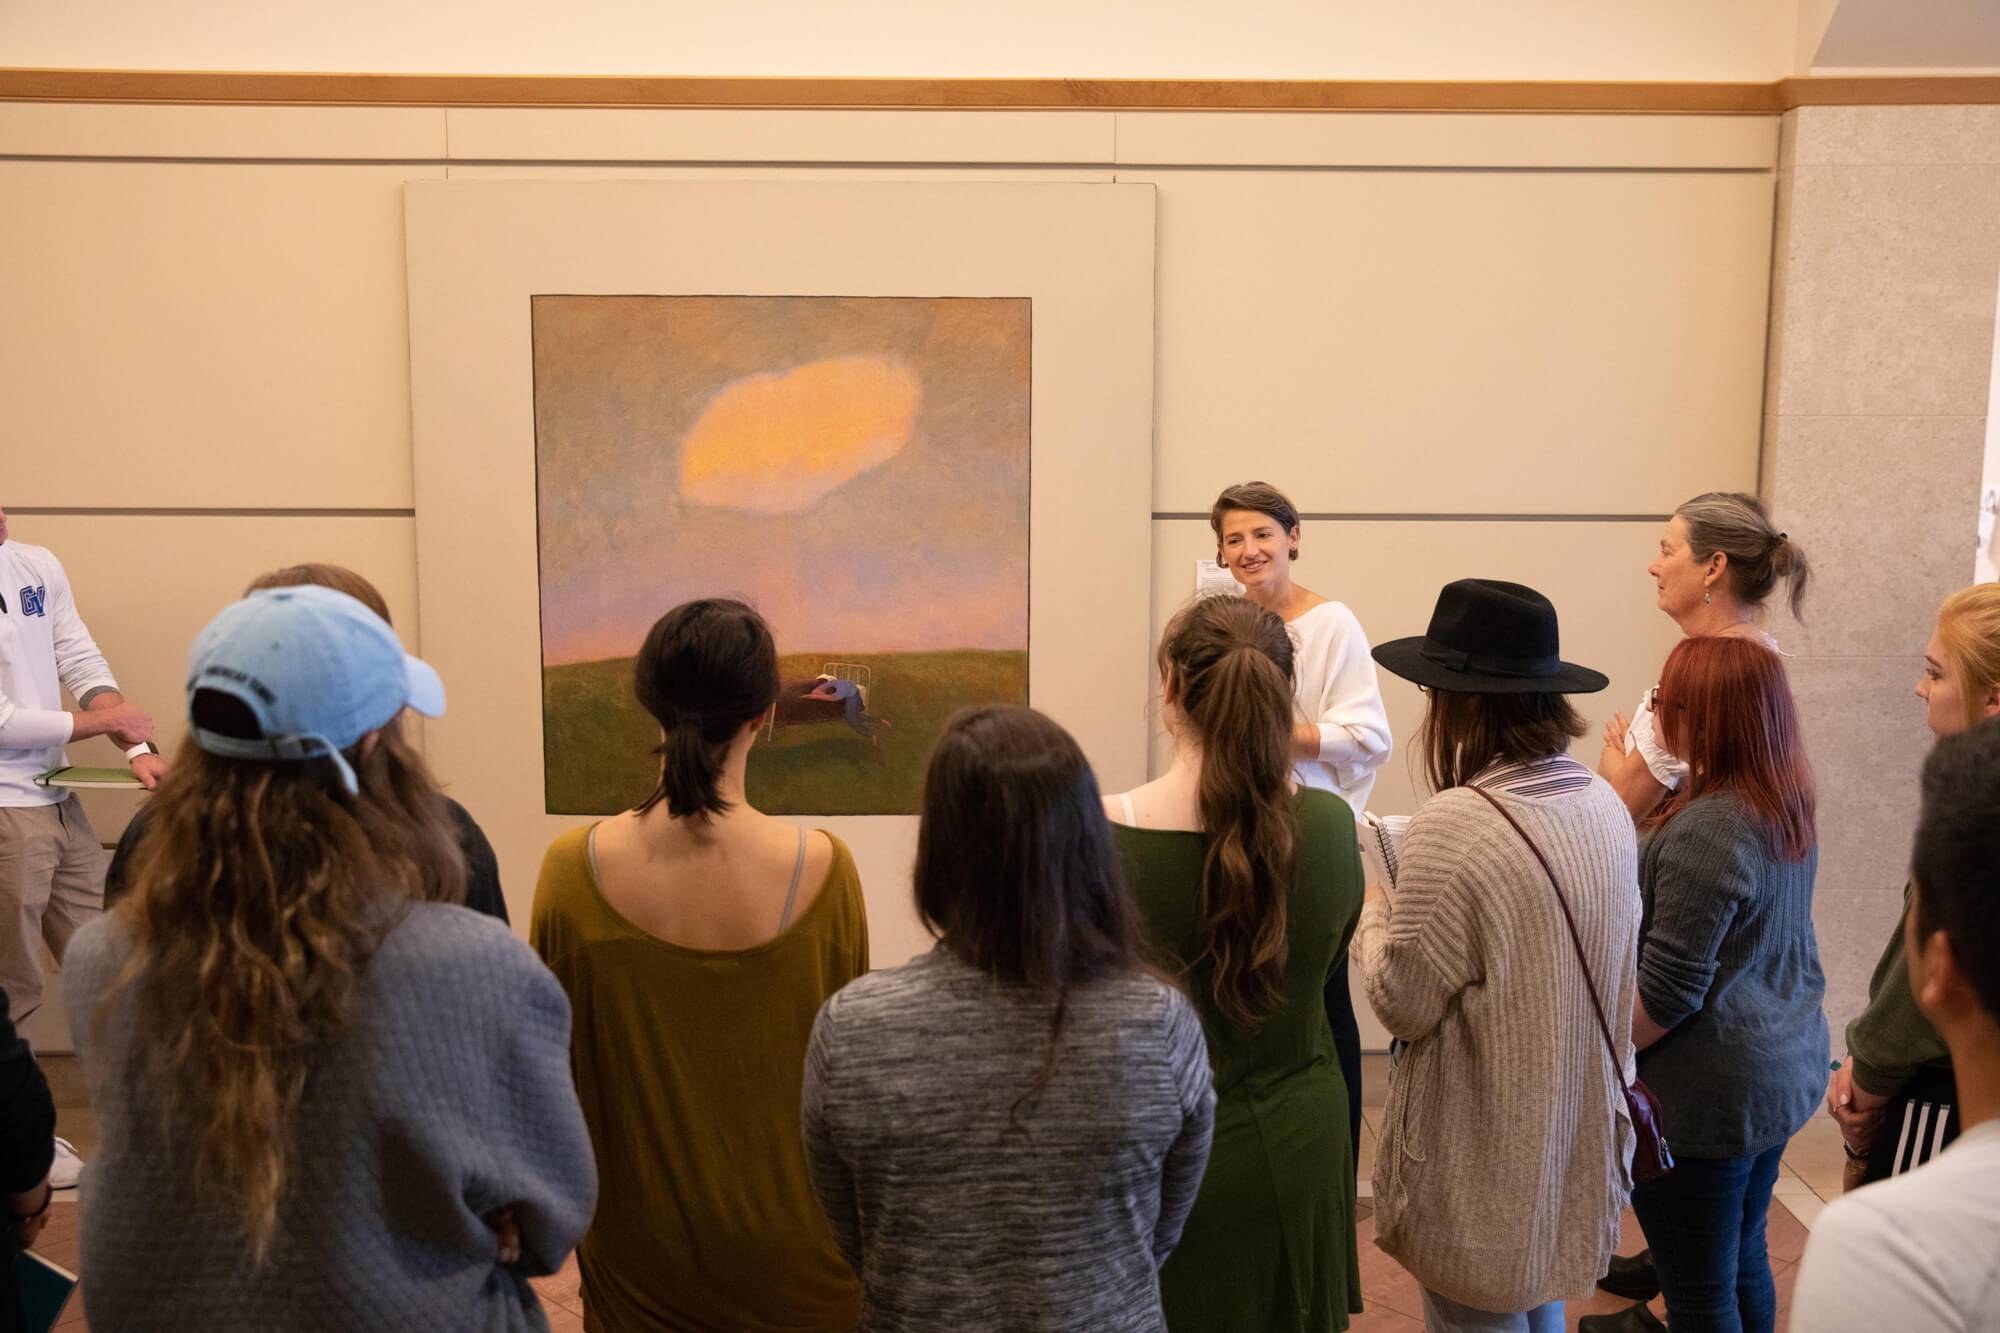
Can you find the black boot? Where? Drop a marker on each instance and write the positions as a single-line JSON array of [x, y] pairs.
[[1632, 1278], [1638, 1319]]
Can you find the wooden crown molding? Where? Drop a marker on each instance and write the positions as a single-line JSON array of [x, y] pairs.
[[188, 87]]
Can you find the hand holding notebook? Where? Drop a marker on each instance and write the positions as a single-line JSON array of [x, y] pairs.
[[1381, 839]]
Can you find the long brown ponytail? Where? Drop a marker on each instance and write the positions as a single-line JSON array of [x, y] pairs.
[[1228, 663]]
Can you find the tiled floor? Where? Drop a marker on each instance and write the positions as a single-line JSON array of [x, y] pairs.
[[1809, 1180], [1394, 1304]]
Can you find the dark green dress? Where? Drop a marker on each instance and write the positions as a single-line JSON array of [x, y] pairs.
[[1270, 1243]]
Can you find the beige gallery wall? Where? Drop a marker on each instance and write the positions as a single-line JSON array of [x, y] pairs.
[[1499, 345]]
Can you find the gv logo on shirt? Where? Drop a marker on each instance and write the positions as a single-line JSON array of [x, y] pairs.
[[34, 600]]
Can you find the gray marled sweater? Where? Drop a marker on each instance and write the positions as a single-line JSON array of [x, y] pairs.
[[960, 1214], [449, 1098]]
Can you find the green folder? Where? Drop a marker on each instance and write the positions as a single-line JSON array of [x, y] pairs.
[[88, 777], [45, 1289]]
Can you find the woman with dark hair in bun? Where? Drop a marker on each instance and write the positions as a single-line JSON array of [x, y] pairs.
[[697, 938]]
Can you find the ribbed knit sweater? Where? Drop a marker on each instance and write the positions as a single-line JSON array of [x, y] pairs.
[[1728, 962], [1505, 1158]]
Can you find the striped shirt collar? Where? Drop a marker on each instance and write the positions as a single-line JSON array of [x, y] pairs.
[[1557, 775]]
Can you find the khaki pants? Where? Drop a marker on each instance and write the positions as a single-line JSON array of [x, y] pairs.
[[51, 883]]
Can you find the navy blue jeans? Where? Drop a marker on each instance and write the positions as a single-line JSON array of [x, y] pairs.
[[1705, 1224]]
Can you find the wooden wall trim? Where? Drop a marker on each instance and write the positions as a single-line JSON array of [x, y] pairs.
[[298, 89]]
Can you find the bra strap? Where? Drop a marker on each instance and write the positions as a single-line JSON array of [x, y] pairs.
[[792, 894]]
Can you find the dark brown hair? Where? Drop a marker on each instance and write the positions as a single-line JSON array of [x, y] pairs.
[[1740, 527], [1016, 873], [319, 575], [1255, 497], [1227, 665], [1725, 707], [402, 784], [1958, 844], [707, 670], [1466, 732]]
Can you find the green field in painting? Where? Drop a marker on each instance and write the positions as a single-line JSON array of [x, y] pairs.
[[597, 741]]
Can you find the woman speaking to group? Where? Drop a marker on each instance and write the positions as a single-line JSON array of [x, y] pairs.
[[1344, 735]]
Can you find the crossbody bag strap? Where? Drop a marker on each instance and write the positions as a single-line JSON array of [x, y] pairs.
[[1574, 938]]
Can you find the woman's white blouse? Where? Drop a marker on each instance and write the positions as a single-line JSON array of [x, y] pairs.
[[1643, 735], [1666, 767], [1334, 680]]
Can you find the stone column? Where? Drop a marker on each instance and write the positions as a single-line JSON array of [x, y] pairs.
[[1886, 256]]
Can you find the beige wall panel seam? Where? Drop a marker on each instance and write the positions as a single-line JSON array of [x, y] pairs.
[[478, 134], [1391, 139], [358, 134], [202, 511], [1460, 342], [1325, 517], [905, 172], [172, 325]]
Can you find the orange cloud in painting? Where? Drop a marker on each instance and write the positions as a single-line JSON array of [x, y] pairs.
[[776, 443]]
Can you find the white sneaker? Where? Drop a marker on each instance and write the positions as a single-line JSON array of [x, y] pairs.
[[68, 1167]]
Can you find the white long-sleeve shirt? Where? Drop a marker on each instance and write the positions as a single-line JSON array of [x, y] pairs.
[[44, 649], [1333, 677]]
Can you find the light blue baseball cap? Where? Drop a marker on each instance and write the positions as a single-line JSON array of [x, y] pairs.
[[317, 670]]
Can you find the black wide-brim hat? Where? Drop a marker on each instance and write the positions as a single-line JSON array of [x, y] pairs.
[[1490, 637]]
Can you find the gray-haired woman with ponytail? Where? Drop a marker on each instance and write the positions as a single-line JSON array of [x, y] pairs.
[[1249, 887], [697, 938], [1720, 560]]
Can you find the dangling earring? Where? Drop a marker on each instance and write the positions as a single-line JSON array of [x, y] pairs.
[[1706, 597]]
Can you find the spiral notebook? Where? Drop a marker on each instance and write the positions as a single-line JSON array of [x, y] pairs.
[[1381, 839]]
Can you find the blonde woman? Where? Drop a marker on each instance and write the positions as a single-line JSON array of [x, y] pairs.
[[330, 1098], [1896, 1097]]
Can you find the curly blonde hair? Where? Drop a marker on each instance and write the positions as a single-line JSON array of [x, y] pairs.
[[259, 894]]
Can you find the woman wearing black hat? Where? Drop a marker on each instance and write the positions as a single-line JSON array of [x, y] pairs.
[[1505, 1156]]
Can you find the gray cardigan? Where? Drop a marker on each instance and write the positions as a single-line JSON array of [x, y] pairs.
[[1728, 961], [960, 1206], [1505, 1155], [450, 1097]]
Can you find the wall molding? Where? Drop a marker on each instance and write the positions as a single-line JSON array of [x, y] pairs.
[[190, 87]]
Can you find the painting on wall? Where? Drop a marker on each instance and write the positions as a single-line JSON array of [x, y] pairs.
[[856, 468]]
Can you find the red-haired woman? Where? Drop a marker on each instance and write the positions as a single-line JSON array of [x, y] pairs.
[[1728, 1015]]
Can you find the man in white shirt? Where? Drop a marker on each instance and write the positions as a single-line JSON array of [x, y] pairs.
[[51, 863], [1920, 1253]]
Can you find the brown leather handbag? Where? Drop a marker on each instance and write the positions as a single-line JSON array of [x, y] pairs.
[[1650, 1157]]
